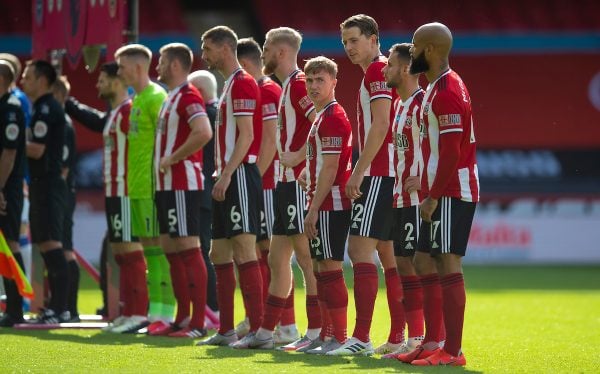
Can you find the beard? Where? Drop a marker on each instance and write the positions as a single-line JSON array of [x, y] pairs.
[[269, 67], [392, 84], [419, 64]]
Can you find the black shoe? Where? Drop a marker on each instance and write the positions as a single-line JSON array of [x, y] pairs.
[[74, 318], [102, 312], [8, 321], [50, 317]]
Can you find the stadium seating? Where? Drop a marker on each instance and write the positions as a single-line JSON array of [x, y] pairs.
[[461, 15]]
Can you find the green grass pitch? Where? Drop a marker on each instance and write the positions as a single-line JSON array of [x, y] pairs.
[[519, 319]]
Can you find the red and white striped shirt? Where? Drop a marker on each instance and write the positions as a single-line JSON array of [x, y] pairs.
[[240, 97], [293, 124], [331, 133], [270, 93], [408, 160], [373, 87], [448, 146], [180, 108], [115, 150]]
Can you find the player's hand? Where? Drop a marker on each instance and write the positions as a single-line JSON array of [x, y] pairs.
[[302, 180], [353, 185], [412, 184], [310, 224], [291, 159], [165, 163], [220, 187], [427, 208], [2, 204]]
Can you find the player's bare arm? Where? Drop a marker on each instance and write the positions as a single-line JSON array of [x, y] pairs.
[[200, 134], [35, 150], [268, 145], [379, 128], [244, 140], [325, 181]]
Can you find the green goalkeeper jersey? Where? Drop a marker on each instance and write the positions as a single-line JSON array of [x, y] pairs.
[[142, 126]]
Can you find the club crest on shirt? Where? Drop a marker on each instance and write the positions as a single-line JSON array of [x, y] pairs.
[[408, 122], [12, 132], [40, 129]]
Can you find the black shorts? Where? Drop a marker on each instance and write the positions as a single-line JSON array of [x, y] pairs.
[[290, 202], [11, 222], [332, 237], [70, 201], [372, 213], [266, 215], [118, 218], [239, 212], [47, 208], [178, 213], [406, 230], [449, 229]]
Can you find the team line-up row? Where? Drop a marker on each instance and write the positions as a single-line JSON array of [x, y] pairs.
[[196, 183]]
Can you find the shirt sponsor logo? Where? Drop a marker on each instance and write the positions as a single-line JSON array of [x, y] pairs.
[[244, 104], [305, 102], [379, 86], [40, 129], [12, 132], [449, 120], [332, 142], [194, 109], [401, 142]]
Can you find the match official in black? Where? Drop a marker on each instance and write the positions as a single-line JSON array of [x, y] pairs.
[[47, 189], [12, 170]]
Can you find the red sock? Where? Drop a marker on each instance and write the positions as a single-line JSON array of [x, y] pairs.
[[313, 312], [326, 327], [251, 286], [180, 282], [123, 286], [365, 292], [413, 305], [273, 308], [453, 290], [288, 316], [138, 286], [265, 273], [197, 278], [337, 302], [225, 295], [432, 308], [395, 295]]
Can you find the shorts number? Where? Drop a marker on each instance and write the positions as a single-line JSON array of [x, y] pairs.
[[435, 225], [235, 216], [409, 228], [358, 212], [115, 222], [172, 218], [291, 211], [315, 244]]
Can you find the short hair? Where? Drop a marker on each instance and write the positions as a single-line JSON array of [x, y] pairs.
[[62, 86], [366, 24], [179, 52], [250, 49], [222, 35], [320, 63], [402, 50], [42, 68], [285, 35], [7, 72], [134, 50], [14, 61], [110, 68], [205, 81]]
